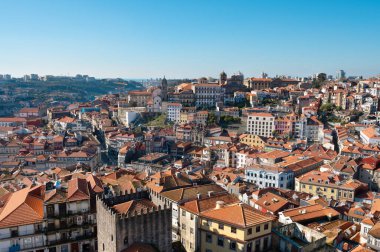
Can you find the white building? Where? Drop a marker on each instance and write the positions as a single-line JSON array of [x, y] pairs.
[[370, 135], [261, 124], [130, 116], [314, 130], [207, 94], [269, 176], [373, 240], [174, 112]]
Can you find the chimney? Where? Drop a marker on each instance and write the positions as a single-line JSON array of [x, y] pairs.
[[209, 193], [198, 196], [219, 204], [178, 174]]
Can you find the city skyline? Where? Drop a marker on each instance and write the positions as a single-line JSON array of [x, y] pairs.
[[189, 39]]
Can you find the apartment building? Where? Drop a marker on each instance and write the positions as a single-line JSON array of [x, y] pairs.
[[174, 112], [207, 94], [69, 219], [269, 176], [329, 185], [221, 223], [179, 196], [261, 124], [22, 221], [314, 130]]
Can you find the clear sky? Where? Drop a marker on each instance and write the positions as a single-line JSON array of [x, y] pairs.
[[178, 38]]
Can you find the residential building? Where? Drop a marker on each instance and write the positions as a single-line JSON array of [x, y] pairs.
[[329, 185], [207, 94], [261, 124], [174, 112], [269, 176]]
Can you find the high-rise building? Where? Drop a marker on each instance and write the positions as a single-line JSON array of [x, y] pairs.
[[341, 75]]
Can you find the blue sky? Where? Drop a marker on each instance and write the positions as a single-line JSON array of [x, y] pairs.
[[178, 38]]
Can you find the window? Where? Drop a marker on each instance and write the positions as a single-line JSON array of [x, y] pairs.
[[233, 230], [266, 242], [208, 250], [208, 238], [191, 230], [221, 226], [183, 213], [257, 229], [257, 245], [50, 210], [220, 241], [249, 231], [233, 245], [183, 226], [266, 226], [126, 240]]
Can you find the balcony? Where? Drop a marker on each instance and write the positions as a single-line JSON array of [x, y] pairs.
[[63, 226], [72, 239]]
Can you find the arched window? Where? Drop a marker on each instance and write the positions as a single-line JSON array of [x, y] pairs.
[[126, 240]]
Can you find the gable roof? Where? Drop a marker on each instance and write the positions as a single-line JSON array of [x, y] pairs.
[[238, 214], [22, 208], [77, 190]]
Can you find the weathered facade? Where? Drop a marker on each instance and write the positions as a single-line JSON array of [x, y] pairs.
[[119, 231]]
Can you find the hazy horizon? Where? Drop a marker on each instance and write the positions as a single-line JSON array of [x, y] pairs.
[[140, 39]]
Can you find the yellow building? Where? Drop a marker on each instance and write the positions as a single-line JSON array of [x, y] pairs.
[[252, 140], [226, 227], [329, 185]]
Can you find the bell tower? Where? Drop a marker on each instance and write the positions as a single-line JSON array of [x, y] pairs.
[[164, 89]]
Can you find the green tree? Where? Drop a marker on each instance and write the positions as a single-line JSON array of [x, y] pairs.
[[322, 77], [211, 119]]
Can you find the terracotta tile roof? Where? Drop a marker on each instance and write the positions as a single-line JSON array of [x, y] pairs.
[[199, 205], [375, 231], [29, 110], [133, 205], [77, 190], [238, 214], [55, 196], [309, 213], [370, 132], [96, 185], [360, 248], [22, 208], [67, 119], [261, 114], [272, 202], [190, 193]]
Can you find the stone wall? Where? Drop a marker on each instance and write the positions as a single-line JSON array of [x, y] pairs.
[[117, 232], [152, 226]]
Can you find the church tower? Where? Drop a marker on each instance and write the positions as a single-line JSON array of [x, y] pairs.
[[164, 89], [223, 78]]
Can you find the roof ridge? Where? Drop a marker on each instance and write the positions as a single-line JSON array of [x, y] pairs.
[[243, 213]]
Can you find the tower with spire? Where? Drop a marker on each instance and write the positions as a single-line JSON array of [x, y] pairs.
[[164, 89]]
